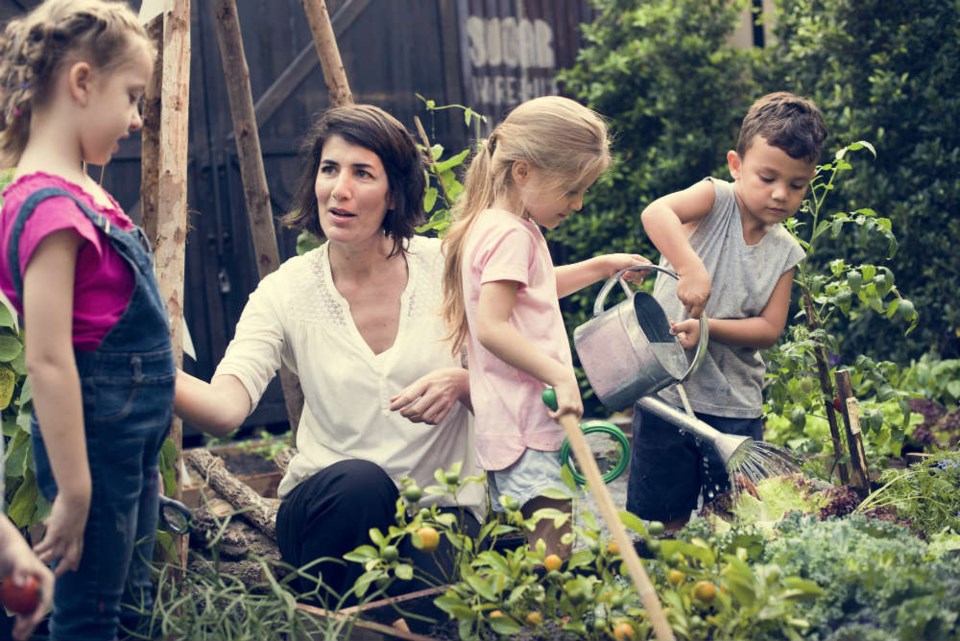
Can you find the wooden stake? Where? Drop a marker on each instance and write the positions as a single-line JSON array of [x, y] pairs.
[[851, 422], [826, 388], [255, 190], [150, 138], [172, 189], [588, 467], [323, 37]]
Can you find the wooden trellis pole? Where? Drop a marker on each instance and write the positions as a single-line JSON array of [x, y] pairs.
[[150, 137], [254, 178], [849, 408], [826, 387], [172, 188], [323, 37]]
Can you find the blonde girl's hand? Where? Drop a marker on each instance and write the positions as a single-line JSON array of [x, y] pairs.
[[687, 332], [693, 290], [63, 538], [616, 262], [568, 399]]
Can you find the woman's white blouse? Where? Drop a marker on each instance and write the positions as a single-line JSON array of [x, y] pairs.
[[297, 315]]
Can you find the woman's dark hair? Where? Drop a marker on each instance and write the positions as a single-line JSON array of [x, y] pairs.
[[372, 128]]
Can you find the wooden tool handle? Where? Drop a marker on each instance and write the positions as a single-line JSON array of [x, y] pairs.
[[588, 467]]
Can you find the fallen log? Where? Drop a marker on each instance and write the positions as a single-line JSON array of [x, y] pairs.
[[249, 505], [215, 528]]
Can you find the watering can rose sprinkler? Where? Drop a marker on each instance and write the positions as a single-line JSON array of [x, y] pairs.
[[628, 354]]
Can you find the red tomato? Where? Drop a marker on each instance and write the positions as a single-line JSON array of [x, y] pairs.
[[20, 599]]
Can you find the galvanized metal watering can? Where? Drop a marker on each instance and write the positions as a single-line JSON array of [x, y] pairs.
[[627, 351]]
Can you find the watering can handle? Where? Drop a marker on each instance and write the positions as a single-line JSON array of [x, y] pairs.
[[618, 278]]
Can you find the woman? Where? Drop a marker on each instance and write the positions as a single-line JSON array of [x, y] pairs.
[[358, 320]]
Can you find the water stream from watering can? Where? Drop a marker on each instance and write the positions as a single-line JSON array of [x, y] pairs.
[[757, 460]]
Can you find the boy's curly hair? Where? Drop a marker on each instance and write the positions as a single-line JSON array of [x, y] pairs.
[[786, 121]]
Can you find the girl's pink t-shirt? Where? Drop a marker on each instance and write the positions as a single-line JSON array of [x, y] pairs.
[[104, 280], [509, 413]]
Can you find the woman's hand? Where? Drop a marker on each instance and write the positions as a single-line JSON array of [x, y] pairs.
[[63, 538], [687, 332], [431, 397]]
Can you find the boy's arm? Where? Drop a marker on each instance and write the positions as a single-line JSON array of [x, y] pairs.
[[758, 332], [503, 340], [573, 278], [664, 221], [48, 284]]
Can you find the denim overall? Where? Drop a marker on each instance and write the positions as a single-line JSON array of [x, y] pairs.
[[127, 388]]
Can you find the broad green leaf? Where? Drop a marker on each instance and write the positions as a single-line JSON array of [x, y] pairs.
[[452, 161], [404, 571], [6, 318], [19, 453], [8, 382], [23, 506], [10, 347], [430, 199], [504, 625]]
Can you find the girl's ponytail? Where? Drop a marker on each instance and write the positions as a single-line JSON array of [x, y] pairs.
[[564, 140], [479, 192]]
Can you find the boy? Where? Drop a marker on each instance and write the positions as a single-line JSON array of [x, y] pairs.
[[726, 237]]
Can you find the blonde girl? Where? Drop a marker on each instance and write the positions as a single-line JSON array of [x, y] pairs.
[[501, 294], [72, 75]]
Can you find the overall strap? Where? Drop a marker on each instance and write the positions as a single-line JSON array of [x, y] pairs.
[[28, 207]]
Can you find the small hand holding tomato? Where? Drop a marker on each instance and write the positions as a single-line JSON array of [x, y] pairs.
[[26, 588], [21, 598]]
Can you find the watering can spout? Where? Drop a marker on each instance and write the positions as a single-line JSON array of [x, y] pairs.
[[732, 449]]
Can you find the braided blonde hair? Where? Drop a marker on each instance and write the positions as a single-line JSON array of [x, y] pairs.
[[563, 139], [36, 47]]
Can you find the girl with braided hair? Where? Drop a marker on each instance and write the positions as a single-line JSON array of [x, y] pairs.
[[80, 273]]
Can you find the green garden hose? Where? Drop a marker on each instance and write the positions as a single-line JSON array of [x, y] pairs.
[[593, 427]]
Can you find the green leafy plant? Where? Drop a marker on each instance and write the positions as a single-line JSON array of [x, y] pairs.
[[887, 73], [878, 579], [444, 185], [925, 493], [708, 591], [24, 503], [800, 371]]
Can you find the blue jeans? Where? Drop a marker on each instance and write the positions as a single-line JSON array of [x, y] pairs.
[[126, 402]]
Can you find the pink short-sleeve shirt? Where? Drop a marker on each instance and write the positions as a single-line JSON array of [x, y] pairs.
[[104, 281], [510, 416]]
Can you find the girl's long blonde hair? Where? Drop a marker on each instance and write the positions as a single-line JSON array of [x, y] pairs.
[[561, 138], [36, 47]]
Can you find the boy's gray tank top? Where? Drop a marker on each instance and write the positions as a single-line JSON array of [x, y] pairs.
[[729, 381]]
